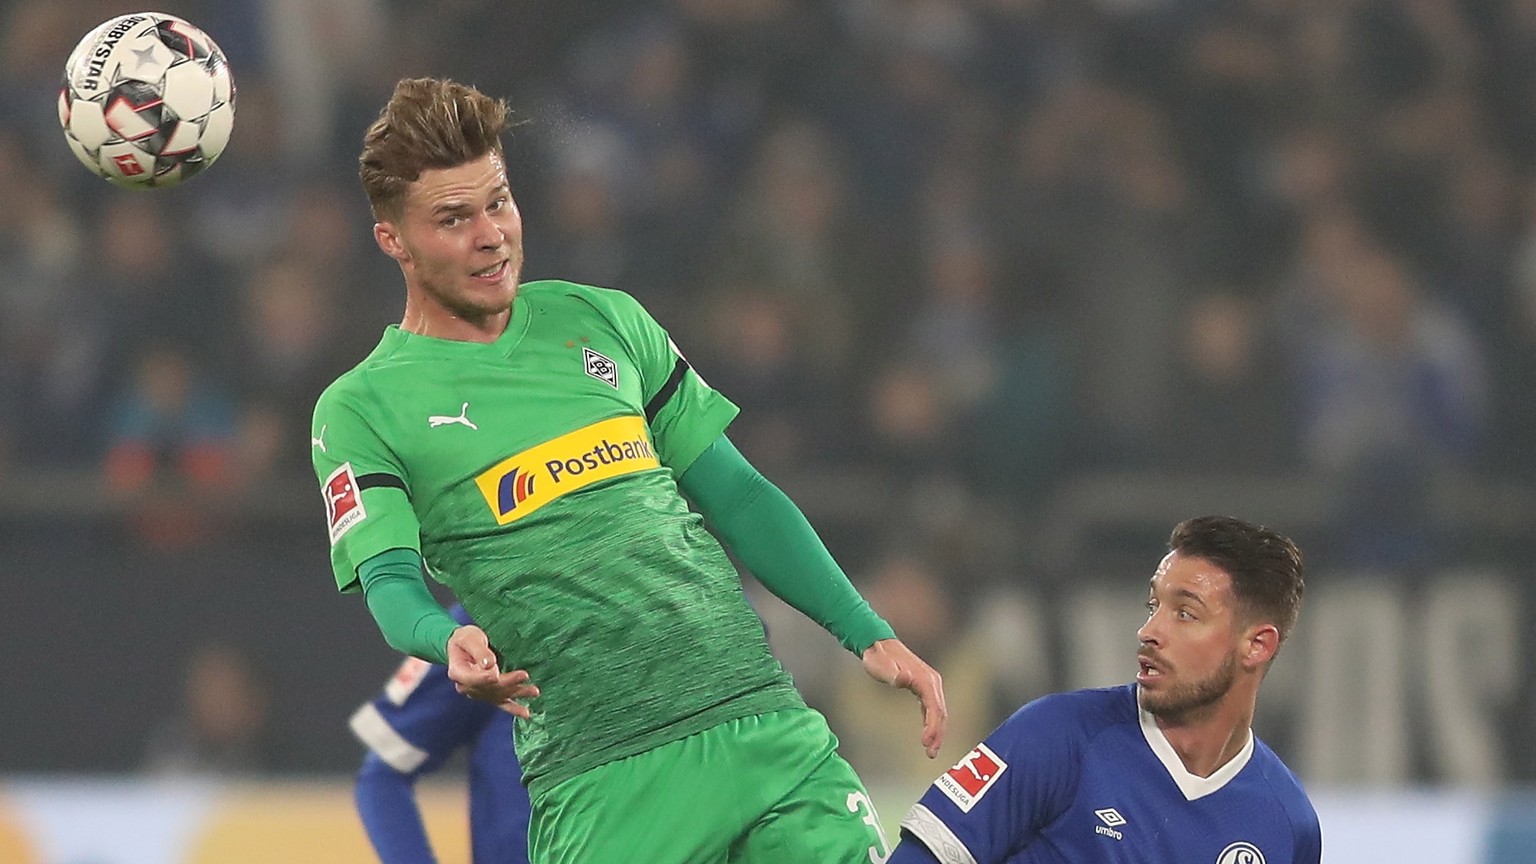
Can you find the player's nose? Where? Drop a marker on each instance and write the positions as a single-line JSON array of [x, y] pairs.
[[488, 234]]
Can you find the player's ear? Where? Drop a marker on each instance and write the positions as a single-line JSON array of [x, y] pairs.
[[388, 238], [1259, 647]]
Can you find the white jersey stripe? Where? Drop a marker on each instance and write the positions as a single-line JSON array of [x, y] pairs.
[[372, 729], [1193, 786], [941, 841]]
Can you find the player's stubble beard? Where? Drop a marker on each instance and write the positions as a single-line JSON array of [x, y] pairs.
[[1186, 699], [467, 304]]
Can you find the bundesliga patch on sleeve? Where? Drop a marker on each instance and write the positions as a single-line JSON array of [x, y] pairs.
[[969, 780], [343, 501], [405, 680]]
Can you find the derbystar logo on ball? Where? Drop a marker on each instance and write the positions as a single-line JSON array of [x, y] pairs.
[[147, 100]]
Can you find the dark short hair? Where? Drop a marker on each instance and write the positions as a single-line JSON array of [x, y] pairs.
[[1265, 566], [428, 123]]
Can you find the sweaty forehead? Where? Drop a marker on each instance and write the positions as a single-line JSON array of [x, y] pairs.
[[440, 187], [1189, 575]]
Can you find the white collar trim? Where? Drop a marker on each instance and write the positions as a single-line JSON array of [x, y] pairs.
[[1192, 785]]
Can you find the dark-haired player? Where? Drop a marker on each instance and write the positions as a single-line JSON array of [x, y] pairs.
[[1163, 771]]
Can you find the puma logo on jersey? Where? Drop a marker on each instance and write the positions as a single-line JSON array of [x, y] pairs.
[[437, 420], [319, 440]]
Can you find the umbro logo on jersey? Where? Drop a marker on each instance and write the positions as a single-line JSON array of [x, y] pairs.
[[1112, 820], [600, 367], [971, 777], [1240, 852], [437, 420]]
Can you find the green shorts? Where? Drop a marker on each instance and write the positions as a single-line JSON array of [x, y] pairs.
[[765, 789]]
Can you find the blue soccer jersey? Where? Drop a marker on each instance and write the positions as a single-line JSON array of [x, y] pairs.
[[413, 727], [1088, 777]]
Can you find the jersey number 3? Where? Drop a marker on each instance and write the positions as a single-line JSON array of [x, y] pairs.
[[859, 804]]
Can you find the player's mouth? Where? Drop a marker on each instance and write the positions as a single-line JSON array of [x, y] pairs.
[[1149, 669], [494, 272]]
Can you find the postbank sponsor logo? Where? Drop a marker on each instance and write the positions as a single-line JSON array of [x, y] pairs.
[[515, 487]]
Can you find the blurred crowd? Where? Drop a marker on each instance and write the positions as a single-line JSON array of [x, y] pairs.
[[962, 250]]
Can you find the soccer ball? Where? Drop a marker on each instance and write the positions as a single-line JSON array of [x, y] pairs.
[[147, 100]]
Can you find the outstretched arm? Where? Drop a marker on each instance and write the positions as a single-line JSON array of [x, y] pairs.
[[775, 541]]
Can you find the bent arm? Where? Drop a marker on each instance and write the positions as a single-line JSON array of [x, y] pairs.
[[410, 618], [775, 541]]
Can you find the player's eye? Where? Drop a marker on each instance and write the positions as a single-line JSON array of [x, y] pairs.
[[1186, 615], [498, 204]]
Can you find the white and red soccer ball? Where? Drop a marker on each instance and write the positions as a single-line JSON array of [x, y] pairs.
[[147, 100]]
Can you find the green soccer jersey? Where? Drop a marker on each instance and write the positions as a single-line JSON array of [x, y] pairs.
[[536, 475]]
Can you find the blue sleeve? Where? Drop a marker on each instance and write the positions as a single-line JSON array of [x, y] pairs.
[[410, 729], [1309, 847], [499, 809], [1309, 836], [1004, 793], [420, 719], [386, 801], [911, 851]]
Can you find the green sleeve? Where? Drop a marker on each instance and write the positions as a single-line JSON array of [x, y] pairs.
[[407, 614], [775, 541], [365, 486]]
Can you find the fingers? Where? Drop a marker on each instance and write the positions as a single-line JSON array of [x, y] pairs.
[[509, 685], [935, 714], [472, 674], [502, 690], [893, 663]]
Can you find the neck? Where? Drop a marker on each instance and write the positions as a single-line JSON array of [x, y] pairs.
[[1209, 738], [441, 323]]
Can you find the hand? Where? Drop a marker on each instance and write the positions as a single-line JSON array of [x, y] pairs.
[[893, 663], [474, 671]]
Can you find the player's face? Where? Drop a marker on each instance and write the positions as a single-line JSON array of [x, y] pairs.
[[1190, 644], [459, 239]]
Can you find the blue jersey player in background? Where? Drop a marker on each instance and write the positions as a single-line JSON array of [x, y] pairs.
[[411, 729], [1162, 771]]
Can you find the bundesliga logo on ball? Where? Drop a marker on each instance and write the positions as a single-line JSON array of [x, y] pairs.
[[147, 100]]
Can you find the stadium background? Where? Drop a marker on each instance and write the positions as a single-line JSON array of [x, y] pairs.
[[1004, 288]]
